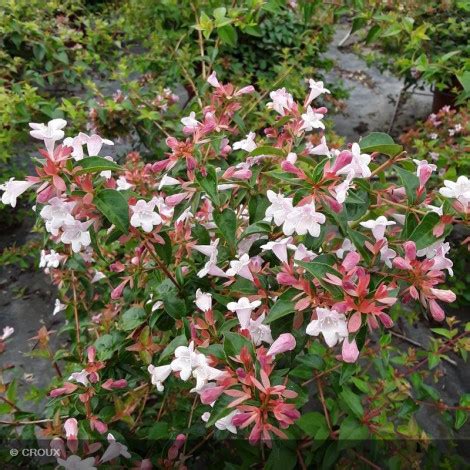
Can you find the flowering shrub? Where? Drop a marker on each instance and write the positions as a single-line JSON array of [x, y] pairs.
[[207, 290]]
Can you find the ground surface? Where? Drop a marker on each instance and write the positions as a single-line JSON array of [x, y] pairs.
[[27, 297]]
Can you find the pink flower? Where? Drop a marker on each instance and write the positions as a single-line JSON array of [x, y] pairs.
[[285, 342], [424, 171], [71, 428], [349, 352], [436, 310]]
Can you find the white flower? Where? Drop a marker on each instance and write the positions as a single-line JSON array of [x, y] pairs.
[[331, 324], [56, 214], [247, 144], [386, 255], [279, 209], [359, 165], [212, 80], [281, 101], [459, 190], [167, 181], [243, 308], [312, 120], [13, 189], [204, 374], [437, 252], [320, 149], [76, 234], [341, 191], [241, 267], [258, 332], [80, 377], [143, 215], [302, 254], [122, 184], [226, 424], [159, 375], [211, 268], [203, 301], [185, 215], [58, 307], [94, 143], [304, 219], [437, 210], [206, 416], [76, 143], [378, 226], [316, 89], [114, 450], [279, 248], [190, 122], [98, 276], [186, 359], [208, 250], [49, 133], [7, 332], [164, 209], [74, 462], [107, 174], [49, 260], [345, 247]]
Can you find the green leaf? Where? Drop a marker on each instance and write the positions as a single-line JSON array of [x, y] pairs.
[[228, 34], [174, 306], [318, 268], [410, 182], [164, 251], [267, 150], [159, 430], [282, 307], [106, 345], [233, 344], [113, 205], [133, 318], [258, 227], [180, 340], [95, 165], [353, 402], [352, 430], [226, 222], [311, 422], [460, 419], [422, 234], [380, 142], [208, 184]]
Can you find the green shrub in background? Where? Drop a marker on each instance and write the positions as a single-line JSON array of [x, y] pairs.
[[419, 40]]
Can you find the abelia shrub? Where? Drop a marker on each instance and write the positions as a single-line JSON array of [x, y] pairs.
[[197, 284]]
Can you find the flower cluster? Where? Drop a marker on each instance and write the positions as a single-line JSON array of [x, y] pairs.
[[235, 256]]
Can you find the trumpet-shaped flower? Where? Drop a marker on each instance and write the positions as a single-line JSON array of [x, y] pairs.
[[50, 133], [57, 214], [459, 190], [243, 308], [359, 165], [331, 324], [76, 234], [247, 144], [378, 226], [144, 215], [159, 375], [279, 209], [203, 301], [312, 120], [304, 219], [13, 189]]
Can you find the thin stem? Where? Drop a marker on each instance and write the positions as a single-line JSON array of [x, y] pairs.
[[75, 315], [323, 403]]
